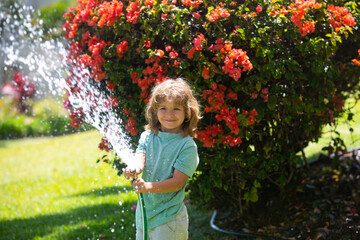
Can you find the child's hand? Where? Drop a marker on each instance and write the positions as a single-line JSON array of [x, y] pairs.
[[139, 185], [129, 173]]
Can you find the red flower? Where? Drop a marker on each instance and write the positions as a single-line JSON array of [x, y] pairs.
[[339, 16], [190, 3], [259, 9], [77, 117], [147, 44], [111, 102], [109, 12], [207, 136], [196, 15], [149, 2], [235, 59], [173, 54], [131, 126], [111, 86], [231, 141], [198, 41], [217, 13], [121, 48], [105, 145], [219, 44], [251, 116], [67, 104], [338, 103], [205, 73], [133, 12], [168, 48]]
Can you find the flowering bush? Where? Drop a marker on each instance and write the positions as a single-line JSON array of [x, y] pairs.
[[270, 75], [21, 89]]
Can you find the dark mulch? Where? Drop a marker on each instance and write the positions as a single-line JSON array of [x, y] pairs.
[[326, 205]]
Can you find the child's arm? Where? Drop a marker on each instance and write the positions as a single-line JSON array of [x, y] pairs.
[[139, 166], [173, 184]]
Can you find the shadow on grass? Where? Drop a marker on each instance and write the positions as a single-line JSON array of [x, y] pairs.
[[101, 192], [109, 221]]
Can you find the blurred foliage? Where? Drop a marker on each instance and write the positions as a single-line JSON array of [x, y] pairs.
[[48, 118], [52, 18]]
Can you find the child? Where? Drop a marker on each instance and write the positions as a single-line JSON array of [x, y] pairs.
[[167, 156]]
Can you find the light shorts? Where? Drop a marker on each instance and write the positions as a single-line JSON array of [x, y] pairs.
[[175, 229]]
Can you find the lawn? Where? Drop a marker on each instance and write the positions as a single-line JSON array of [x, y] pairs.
[[52, 188]]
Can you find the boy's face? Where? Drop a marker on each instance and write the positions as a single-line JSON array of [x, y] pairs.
[[171, 116]]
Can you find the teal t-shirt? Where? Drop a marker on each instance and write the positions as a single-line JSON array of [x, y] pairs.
[[165, 152]]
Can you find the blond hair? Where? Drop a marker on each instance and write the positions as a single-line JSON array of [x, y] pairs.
[[177, 90]]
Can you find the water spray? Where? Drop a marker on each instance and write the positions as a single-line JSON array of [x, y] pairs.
[[23, 46], [142, 209]]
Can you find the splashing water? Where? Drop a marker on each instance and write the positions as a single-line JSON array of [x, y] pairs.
[[24, 47]]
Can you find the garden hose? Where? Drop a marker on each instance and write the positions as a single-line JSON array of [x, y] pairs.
[[242, 234], [143, 212]]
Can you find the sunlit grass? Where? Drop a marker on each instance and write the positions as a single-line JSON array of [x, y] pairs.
[[351, 139], [53, 188]]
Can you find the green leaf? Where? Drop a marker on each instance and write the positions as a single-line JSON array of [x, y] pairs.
[[241, 33], [258, 86], [272, 102], [252, 195]]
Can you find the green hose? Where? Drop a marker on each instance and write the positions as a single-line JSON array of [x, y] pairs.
[[143, 215]]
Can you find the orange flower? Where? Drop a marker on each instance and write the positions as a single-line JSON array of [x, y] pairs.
[[159, 53], [205, 73], [357, 62], [133, 12], [149, 2], [121, 48]]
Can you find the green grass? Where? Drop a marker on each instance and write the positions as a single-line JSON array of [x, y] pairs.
[[52, 188], [351, 139]]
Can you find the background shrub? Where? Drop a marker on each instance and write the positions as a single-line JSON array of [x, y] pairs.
[[48, 118], [270, 75]]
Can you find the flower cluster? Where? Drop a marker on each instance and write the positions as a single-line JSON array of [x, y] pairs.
[[105, 145], [109, 12], [121, 48], [299, 9], [207, 136], [191, 3], [236, 61], [154, 73], [76, 116], [217, 13], [197, 45], [216, 98], [20, 89], [356, 60], [133, 12], [340, 16], [158, 58]]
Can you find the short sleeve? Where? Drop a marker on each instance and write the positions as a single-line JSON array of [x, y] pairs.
[[143, 141], [188, 159]]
